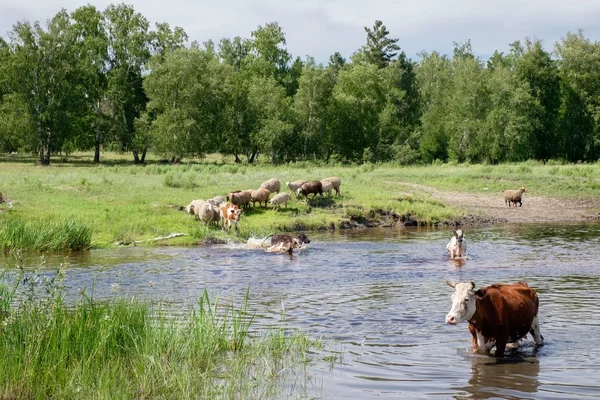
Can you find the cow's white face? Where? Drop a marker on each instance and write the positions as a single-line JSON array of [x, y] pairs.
[[463, 303]]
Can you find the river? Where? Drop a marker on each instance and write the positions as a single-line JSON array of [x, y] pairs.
[[378, 297]]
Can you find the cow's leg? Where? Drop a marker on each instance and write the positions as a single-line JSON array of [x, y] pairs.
[[535, 332], [500, 347], [479, 342], [474, 340]]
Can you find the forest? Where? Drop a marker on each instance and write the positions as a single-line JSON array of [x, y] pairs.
[[107, 80]]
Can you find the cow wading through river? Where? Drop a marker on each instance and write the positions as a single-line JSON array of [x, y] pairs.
[[497, 314]]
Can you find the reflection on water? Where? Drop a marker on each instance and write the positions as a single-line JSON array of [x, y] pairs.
[[512, 378], [380, 295]]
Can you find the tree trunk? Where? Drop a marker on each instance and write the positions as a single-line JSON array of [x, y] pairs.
[[98, 140], [143, 159], [136, 158], [237, 158], [45, 158], [253, 156]]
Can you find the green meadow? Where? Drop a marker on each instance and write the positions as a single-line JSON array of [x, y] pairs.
[[74, 204]]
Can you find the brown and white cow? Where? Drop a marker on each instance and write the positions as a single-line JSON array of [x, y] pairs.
[[230, 214], [497, 314]]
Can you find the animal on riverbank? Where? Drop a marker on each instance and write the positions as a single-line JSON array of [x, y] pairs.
[[261, 195], [194, 204], [217, 200], [514, 197], [457, 246], [335, 183], [230, 215], [497, 314], [240, 198], [327, 187], [314, 187], [294, 186], [272, 185], [279, 199], [207, 213]]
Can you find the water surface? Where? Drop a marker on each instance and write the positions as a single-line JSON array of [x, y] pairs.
[[379, 297]]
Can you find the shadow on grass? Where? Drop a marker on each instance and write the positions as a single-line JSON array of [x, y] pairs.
[[289, 211], [321, 202]]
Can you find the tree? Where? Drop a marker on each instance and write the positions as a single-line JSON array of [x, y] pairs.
[[434, 77], [508, 131], [239, 118], [43, 73], [272, 58], [186, 103], [129, 52], [468, 104], [400, 117], [579, 117], [273, 131], [336, 63], [380, 49], [92, 48], [536, 68], [358, 99], [311, 108]]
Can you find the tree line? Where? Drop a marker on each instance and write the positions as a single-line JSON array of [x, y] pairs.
[[96, 79]]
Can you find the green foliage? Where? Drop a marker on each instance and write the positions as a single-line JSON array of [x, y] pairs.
[[94, 79], [98, 348], [45, 235]]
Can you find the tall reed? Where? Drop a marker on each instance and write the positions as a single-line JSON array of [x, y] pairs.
[[132, 349], [45, 235]]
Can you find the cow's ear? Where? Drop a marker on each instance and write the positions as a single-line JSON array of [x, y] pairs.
[[472, 285], [480, 293], [454, 232]]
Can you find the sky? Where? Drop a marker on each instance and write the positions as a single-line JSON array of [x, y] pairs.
[[321, 27]]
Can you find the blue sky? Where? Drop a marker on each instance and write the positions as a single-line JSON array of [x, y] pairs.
[[321, 27]]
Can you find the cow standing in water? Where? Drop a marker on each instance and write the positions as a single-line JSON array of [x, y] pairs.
[[497, 314]]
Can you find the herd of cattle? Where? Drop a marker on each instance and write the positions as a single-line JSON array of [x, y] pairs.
[[227, 210]]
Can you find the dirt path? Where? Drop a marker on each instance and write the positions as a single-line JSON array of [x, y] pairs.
[[490, 207]]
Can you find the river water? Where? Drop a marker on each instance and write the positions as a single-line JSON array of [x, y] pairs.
[[378, 297]]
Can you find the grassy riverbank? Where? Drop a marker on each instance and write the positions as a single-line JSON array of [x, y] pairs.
[[131, 349], [121, 203]]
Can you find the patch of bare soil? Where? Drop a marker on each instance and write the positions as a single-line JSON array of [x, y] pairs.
[[490, 207]]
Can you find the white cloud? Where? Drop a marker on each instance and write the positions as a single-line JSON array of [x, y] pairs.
[[321, 27]]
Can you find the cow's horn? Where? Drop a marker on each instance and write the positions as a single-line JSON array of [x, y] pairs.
[[452, 285]]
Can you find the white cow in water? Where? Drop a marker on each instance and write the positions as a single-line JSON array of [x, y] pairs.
[[457, 246]]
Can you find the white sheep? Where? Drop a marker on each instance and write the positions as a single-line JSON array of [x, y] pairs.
[[514, 196], [207, 213], [457, 246], [327, 187], [189, 209], [294, 186], [279, 199], [272, 185], [335, 182], [217, 201]]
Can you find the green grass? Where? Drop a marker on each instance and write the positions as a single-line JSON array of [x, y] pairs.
[[131, 349], [121, 202], [44, 235]]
